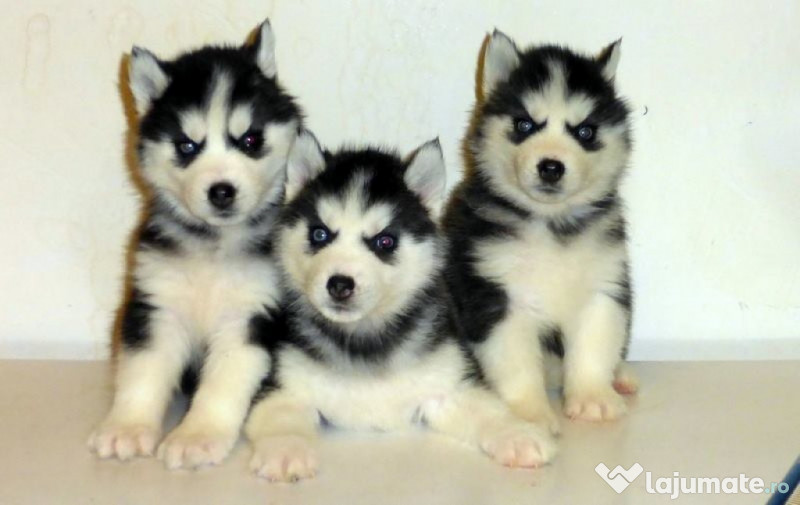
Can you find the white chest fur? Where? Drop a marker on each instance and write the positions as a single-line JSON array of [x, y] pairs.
[[208, 286], [551, 279], [372, 398]]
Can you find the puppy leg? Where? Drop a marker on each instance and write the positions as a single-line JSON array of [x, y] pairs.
[[283, 431], [145, 380], [592, 355], [477, 417], [230, 376], [512, 359]]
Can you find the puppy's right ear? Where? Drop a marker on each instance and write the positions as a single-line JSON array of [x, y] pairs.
[[306, 161], [499, 60], [146, 77]]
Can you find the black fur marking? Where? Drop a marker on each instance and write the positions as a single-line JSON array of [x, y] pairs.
[[623, 294], [584, 76], [617, 232], [262, 246], [479, 303], [371, 348], [191, 84], [268, 330], [160, 207], [566, 228], [383, 172], [552, 340], [153, 237], [136, 321]]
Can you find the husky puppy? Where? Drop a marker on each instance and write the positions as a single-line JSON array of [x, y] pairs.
[[370, 344], [215, 130], [537, 261]]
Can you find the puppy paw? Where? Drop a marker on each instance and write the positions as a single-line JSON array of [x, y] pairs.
[[287, 458], [194, 447], [519, 445], [603, 404], [123, 440], [625, 380], [543, 415]]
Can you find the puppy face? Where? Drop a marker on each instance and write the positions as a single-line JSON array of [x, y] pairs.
[[358, 240], [215, 130], [551, 129]]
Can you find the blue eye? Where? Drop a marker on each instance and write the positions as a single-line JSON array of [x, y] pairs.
[[319, 235], [187, 148], [385, 242], [585, 132], [523, 125]]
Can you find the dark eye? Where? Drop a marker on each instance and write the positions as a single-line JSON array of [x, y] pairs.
[[523, 125], [319, 235], [585, 132], [385, 242], [187, 148], [250, 142]]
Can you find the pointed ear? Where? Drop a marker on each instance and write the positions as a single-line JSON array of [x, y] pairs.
[[263, 49], [146, 77], [305, 162], [499, 60], [609, 59], [426, 175]]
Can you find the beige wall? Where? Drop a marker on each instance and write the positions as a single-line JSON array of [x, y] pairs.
[[714, 191]]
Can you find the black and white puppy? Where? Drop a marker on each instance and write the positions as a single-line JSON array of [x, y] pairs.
[[537, 260], [370, 342], [215, 130]]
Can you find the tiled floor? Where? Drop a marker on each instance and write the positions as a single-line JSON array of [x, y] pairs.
[[698, 419]]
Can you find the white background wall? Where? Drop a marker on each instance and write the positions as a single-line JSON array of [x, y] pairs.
[[714, 190]]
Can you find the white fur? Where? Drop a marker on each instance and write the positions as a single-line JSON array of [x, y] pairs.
[[414, 383], [257, 181], [426, 175], [500, 59], [147, 79], [204, 295], [380, 291], [512, 170], [613, 51], [305, 162], [265, 53], [548, 281], [430, 388]]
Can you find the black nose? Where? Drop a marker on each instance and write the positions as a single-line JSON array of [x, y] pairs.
[[550, 171], [341, 287], [221, 195]]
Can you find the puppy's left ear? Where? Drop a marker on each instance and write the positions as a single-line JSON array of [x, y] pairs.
[[263, 49], [609, 59], [426, 175]]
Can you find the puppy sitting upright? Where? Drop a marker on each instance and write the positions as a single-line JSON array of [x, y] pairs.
[[537, 261], [214, 135], [370, 344]]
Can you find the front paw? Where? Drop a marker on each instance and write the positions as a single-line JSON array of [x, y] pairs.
[[286, 458], [519, 444], [124, 440], [541, 414], [595, 405], [196, 446]]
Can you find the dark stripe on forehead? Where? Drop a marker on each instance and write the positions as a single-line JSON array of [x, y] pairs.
[[583, 75], [384, 184], [192, 79]]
